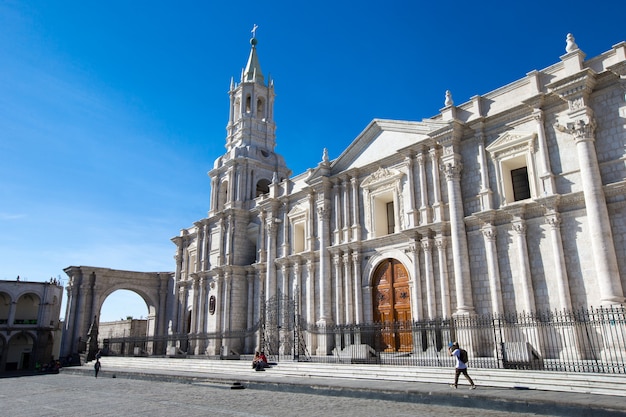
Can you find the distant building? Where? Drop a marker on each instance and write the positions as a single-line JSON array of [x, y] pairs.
[[30, 330], [511, 202], [110, 331]]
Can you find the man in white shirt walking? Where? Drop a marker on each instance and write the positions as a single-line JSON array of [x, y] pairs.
[[461, 366]]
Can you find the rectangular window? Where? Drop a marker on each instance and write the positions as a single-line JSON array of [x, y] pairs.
[[391, 223], [298, 243], [521, 186]]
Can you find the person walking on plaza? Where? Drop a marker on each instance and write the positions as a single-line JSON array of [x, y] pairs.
[[461, 364], [97, 366]]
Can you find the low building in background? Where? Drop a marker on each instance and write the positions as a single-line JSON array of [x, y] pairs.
[[116, 337], [30, 329]]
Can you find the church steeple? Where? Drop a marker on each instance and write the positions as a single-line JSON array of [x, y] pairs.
[[250, 160], [252, 72], [251, 107]]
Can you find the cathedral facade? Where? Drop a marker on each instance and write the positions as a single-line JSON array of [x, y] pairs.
[[512, 201]]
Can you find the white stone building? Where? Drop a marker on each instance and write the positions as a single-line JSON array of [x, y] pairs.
[[30, 330], [513, 201]]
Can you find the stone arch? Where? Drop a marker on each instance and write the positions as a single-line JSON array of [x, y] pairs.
[[27, 308], [5, 307], [262, 186], [19, 351], [376, 259], [89, 287], [368, 275]]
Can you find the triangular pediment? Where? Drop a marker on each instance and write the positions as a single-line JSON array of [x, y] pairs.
[[381, 176], [298, 210], [512, 139], [381, 139]]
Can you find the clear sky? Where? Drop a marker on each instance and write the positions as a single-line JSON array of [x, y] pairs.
[[112, 112]]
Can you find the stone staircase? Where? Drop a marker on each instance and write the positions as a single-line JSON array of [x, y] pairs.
[[584, 383]]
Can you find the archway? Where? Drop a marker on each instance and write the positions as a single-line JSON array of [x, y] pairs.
[[123, 322], [391, 301], [19, 352], [89, 287]]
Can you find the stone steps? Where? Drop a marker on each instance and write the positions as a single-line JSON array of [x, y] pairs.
[[587, 383]]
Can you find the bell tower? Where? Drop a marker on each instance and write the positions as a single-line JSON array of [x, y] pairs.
[[250, 164]]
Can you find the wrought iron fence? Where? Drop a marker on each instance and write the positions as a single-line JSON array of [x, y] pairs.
[[584, 340]]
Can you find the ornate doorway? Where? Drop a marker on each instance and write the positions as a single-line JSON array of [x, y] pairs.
[[392, 306]]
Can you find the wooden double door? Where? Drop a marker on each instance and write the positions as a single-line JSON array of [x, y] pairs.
[[392, 306]]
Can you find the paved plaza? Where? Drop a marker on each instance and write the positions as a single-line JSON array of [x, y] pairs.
[[83, 395]]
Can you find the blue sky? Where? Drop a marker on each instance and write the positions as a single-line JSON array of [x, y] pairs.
[[112, 113]]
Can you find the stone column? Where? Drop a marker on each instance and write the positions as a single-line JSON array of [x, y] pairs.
[[358, 294], [600, 233], [324, 276], [416, 284], [310, 303], [337, 197], [444, 285], [345, 206], [493, 270], [553, 219], [485, 192], [199, 313], [348, 280], [546, 177], [431, 304], [338, 290], [311, 219], [577, 91], [285, 229], [410, 179], [437, 215], [425, 215], [270, 279], [526, 283], [458, 238], [206, 250], [222, 258], [310, 292], [297, 286], [219, 310], [356, 227], [195, 301], [251, 279]]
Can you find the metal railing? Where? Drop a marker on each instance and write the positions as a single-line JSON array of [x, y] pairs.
[[584, 340]]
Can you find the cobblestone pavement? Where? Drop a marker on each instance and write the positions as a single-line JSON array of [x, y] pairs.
[[78, 395]]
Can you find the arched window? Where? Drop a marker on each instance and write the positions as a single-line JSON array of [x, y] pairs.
[[262, 187], [260, 108]]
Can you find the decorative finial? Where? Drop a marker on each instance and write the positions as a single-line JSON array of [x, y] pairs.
[[449, 101], [571, 45], [325, 156], [253, 41]]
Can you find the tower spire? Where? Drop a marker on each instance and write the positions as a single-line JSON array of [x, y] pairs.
[[252, 72]]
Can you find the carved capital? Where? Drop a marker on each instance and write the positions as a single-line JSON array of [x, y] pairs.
[[553, 220], [452, 171], [519, 227], [489, 233]]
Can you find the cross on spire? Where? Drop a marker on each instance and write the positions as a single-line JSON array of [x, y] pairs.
[[254, 28]]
